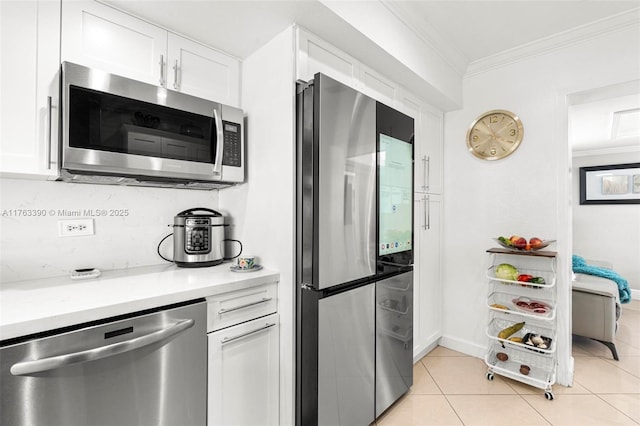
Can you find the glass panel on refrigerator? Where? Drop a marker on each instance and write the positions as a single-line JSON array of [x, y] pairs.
[[395, 194]]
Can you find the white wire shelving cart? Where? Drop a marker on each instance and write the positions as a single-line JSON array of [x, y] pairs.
[[529, 354]]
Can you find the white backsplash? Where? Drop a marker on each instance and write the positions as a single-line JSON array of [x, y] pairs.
[[129, 223]]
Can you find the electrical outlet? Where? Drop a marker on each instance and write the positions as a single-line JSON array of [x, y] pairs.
[[75, 227]]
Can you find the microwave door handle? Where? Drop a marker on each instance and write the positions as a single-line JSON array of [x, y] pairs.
[[47, 153], [217, 165]]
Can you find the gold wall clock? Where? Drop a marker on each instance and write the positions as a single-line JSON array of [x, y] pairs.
[[495, 134]]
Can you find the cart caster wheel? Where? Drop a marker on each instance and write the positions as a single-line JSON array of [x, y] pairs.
[[548, 395], [489, 376]]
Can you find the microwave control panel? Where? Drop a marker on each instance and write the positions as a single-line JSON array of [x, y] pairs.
[[197, 236], [232, 153]]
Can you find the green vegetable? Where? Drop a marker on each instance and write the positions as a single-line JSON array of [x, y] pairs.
[[537, 280], [505, 240], [505, 271]]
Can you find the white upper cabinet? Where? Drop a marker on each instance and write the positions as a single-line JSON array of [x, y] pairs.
[[376, 86], [315, 55], [201, 71], [99, 36], [428, 151], [427, 143], [30, 35]]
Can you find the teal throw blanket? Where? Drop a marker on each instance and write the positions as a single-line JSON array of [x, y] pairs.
[[580, 266]]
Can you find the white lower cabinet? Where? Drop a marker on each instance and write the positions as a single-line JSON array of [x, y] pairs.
[[244, 374], [427, 287]]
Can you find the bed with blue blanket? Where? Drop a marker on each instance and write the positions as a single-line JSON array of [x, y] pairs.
[[579, 265], [597, 292]]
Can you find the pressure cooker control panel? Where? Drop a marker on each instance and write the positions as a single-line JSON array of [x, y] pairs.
[[197, 235]]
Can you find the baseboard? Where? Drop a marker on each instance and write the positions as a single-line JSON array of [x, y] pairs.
[[422, 351], [464, 346], [635, 294]]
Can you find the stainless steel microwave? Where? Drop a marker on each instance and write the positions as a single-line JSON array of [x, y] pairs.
[[120, 131]]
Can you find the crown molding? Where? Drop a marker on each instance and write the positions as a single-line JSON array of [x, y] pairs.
[[606, 151], [577, 35], [428, 34]]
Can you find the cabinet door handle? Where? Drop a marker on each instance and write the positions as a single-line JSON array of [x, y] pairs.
[[47, 150], [428, 173], [428, 206], [424, 212], [240, 336], [424, 173], [246, 305], [175, 75], [162, 82], [426, 170]]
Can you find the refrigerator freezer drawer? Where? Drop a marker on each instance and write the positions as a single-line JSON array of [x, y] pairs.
[[346, 364], [394, 339]]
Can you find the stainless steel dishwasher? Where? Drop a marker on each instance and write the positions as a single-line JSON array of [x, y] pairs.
[[147, 368]]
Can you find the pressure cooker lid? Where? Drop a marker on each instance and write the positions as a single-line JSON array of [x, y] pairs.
[[192, 212]]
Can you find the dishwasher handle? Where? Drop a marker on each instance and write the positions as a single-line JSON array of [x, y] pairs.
[[40, 365]]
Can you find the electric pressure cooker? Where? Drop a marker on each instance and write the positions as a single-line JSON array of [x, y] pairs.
[[198, 238]]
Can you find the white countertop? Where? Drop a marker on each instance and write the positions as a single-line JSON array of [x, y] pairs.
[[28, 307]]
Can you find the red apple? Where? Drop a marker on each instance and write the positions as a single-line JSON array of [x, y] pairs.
[[514, 238], [535, 242], [520, 243]]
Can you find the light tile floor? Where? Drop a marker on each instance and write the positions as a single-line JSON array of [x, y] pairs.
[[451, 388]]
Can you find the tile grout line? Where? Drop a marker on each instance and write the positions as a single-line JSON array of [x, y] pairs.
[[614, 407], [443, 394]]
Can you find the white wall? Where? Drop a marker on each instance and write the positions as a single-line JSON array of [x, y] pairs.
[[609, 232], [264, 208], [528, 192], [136, 220]]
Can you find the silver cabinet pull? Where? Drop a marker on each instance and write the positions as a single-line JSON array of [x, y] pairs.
[[45, 364], [424, 211], [162, 82], [47, 151], [426, 168], [240, 336], [428, 207], [247, 305], [175, 75]]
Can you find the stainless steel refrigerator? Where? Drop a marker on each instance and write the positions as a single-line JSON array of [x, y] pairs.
[[354, 255]]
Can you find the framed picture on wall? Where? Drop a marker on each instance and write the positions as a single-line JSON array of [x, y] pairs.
[[613, 184]]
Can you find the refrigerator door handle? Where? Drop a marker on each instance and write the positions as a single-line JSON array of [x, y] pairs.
[[384, 262], [348, 198]]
